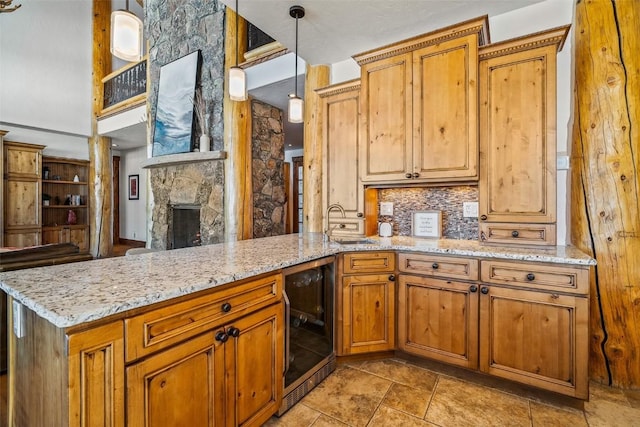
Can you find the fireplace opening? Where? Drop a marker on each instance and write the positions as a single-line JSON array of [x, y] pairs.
[[184, 229]]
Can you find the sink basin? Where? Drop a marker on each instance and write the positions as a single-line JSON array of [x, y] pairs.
[[353, 241]]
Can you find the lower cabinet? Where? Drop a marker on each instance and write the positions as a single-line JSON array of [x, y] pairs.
[[231, 375], [367, 302], [536, 338], [76, 234], [438, 319]]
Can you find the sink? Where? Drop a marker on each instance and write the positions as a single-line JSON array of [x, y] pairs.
[[353, 241]]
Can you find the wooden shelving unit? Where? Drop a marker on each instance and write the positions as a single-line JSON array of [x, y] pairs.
[[65, 215]]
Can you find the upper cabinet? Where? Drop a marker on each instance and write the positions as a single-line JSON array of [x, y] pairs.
[[518, 139], [419, 102]]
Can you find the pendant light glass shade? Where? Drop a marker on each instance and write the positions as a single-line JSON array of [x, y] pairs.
[[296, 109], [237, 84], [126, 36]]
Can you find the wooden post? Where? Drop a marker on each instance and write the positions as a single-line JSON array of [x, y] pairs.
[[238, 193], [100, 174], [605, 193], [317, 76], [2, 134]]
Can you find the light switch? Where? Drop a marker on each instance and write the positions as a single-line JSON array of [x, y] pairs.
[[470, 209], [386, 208]]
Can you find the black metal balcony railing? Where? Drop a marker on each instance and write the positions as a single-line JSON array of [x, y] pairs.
[[125, 85]]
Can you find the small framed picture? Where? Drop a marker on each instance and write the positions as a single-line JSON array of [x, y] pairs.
[[134, 187], [427, 224]]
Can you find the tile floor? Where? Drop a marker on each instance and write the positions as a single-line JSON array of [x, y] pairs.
[[396, 392]]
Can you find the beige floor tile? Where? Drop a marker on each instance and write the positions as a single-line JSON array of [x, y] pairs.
[[457, 403], [550, 416], [349, 395], [602, 392], [401, 372], [414, 401], [606, 413], [325, 421], [386, 417], [298, 416], [633, 396]]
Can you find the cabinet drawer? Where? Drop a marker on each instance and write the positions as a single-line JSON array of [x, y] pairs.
[[567, 279], [520, 234], [346, 226], [163, 327], [369, 262], [438, 266]]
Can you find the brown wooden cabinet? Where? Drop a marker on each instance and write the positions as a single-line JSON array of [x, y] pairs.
[[518, 139], [367, 302], [22, 194], [65, 207], [419, 107], [341, 181]]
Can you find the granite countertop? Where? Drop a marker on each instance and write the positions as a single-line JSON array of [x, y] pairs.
[[72, 294]]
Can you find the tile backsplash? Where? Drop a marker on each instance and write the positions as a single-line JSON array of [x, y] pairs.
[[446, 199]]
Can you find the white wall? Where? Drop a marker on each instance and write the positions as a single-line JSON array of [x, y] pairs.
[[133, 213]]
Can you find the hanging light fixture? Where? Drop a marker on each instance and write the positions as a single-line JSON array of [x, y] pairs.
[[126, 35], [237, 76], [296, 105]]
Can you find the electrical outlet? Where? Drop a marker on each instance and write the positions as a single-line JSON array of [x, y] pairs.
[[386, 208], [470, 209], [18, 319], [562, 163]]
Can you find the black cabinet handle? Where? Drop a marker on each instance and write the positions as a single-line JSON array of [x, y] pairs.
[[359, 214], [483, 217], [435, 266], [473, 288], [484, 290], [222, 336], [226, 307], [392, 277], [515, 233], [416, 175], [531, 276], [407, 175], [233, 332], [342, 226]]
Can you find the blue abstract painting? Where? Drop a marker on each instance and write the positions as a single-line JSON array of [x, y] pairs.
[[174, 112]]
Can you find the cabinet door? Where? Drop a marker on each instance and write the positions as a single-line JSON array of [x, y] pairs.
[[96, 377], [438, 319], [536, 338], [518, 137], [386, 119], [445, 110], [255, 367], [368, 319], [22, 203], [182, 386], [341, 112], [79, 236]]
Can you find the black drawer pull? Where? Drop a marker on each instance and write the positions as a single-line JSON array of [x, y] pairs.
[[233, 332], [531, 276], [473, 288], [483, 217], [222, 336], [392, 278], [435, 266], [226, 307], [515, 233], [484, 290], [407, 175]]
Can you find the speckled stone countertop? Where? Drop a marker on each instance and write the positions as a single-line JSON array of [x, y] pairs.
[[72, 294]]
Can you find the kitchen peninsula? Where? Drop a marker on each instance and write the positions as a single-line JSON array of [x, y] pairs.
[[95, 334]]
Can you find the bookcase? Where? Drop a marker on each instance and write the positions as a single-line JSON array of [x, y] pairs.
[[65, 201]]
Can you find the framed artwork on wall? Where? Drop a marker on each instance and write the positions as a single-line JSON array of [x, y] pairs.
[[174, 108], [134, 187]]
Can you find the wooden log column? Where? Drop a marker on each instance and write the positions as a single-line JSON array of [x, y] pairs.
[[317, 76], [2, 134], [605, 194], [100, 173], [238, 194]]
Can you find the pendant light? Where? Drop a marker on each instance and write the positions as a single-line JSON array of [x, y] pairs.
[[126, 35], [237, 76], [296, 105]]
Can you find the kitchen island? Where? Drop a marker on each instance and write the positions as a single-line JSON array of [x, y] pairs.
[[89, 339]]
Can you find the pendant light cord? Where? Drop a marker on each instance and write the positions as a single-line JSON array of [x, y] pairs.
[[295, 89], [237, 34]]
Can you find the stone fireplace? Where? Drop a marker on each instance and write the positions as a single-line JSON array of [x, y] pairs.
[[198, 185]]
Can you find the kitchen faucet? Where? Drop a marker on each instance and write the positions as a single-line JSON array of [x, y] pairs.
[[327, 231]]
